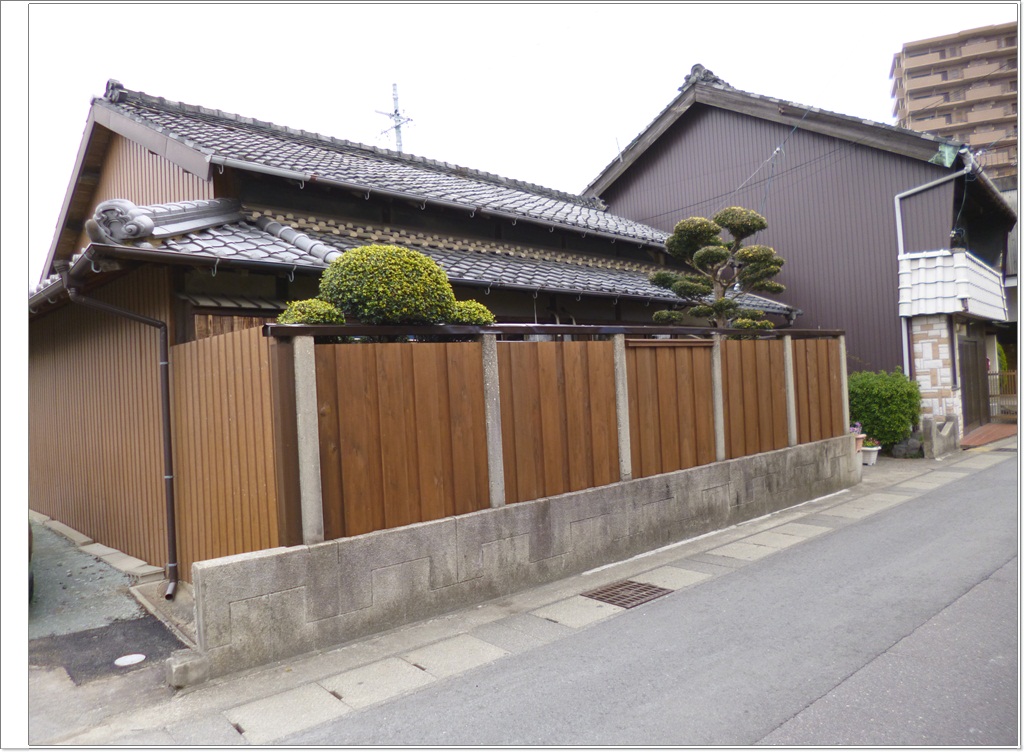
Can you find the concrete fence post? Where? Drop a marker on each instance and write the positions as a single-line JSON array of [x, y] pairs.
[[622, 407], [787, 360], [844, 381], [718, 396], [307, 422], [492, 421]]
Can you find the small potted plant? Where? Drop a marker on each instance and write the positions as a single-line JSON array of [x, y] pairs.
[[859, 434], [870, 451]]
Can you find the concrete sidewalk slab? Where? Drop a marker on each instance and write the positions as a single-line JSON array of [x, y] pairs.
[[263, 721], [454, 656], [774, 539], [521, 632], [744, 551], [376, 682], [578, 611], [671, 577], [801, 530]]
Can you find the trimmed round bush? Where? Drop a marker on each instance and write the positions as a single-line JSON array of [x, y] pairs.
[[471, 312], [312, 311], [740, 222], [388, 284], [887, 405]]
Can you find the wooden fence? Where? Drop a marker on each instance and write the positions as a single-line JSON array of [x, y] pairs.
[[226, 486], [406, 432], [401, 430]]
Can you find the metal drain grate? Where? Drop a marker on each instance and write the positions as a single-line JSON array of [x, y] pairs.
[[627, 593]]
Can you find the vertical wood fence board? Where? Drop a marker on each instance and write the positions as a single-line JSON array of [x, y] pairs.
[[426, 431], [765, 395], [780, 424], [329, 401], [468, 440], [802, 391], [601, 388], [703, 407], [508, 429], [836, 386], [687, 415], [751, 380], [668, 411], [551, 380], [635, 426], [647, 409], [577, 420]]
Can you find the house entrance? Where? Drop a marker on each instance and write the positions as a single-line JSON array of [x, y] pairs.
[[973, 377]]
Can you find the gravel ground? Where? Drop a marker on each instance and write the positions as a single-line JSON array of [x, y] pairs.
[[74, 591]]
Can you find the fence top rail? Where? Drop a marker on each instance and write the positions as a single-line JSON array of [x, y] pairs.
[[285, 331]]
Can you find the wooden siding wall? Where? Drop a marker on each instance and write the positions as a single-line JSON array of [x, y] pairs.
[[95, 450], [819, 395], [132, 172], [402, 434], [224, 462], [754, 396], [671, 423], [829, 206]]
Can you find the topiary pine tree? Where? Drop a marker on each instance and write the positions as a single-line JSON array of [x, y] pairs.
[[721, 270]]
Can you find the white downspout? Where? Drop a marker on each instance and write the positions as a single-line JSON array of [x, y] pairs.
[[971, 164]]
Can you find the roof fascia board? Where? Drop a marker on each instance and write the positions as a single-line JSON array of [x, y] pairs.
[[642, 143], [186, 157], [913, 145], [83, 149], [864, 133]]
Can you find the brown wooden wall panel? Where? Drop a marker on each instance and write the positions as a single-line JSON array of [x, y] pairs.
[[557, 417], [671, 418], [95, 437], [402, 434], [819, 397], [754, 391], [226, 488], [132, 172]]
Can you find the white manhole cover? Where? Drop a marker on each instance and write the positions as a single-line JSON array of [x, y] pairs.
[[130, 660]]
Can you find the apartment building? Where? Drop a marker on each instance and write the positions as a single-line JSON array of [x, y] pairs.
[[963, 86]]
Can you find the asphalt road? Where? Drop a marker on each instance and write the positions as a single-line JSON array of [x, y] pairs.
[[897, 629]]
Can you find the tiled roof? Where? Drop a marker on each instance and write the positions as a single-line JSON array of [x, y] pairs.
[[255, 142], [226, 231]]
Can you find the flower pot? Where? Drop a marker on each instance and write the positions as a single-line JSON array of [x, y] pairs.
[[869, 455], [860, 440]]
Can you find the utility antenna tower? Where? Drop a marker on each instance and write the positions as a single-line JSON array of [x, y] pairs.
[[396, 118]]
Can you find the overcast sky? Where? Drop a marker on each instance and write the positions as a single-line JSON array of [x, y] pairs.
[[545, 93]]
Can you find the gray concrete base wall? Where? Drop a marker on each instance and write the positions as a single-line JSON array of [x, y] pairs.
[[269, 605]]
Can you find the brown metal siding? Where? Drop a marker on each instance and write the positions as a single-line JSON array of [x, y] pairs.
[[95, 452], [130, 171], [829, 205]]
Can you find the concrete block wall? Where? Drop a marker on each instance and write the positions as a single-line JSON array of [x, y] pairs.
[[933, 367], [259, 607]]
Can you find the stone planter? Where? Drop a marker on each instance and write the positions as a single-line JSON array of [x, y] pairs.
[[869, 455]]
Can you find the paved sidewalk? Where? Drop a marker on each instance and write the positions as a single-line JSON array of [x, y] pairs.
[[268, 704]]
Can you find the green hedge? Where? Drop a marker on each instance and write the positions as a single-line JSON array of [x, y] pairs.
[[312, 311], [472, 313], [388, 284], [887, 405]]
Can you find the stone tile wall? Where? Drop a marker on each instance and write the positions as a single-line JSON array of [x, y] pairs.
[[933, 367]]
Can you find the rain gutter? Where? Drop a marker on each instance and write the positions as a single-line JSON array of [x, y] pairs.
[[63, 268]]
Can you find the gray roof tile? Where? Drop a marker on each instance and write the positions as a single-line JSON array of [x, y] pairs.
[[235, 137]]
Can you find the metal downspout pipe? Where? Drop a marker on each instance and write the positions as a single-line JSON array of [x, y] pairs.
[[62, 268], [971, 165]]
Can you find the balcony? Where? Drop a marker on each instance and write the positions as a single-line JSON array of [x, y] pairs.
[[950, 282]]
